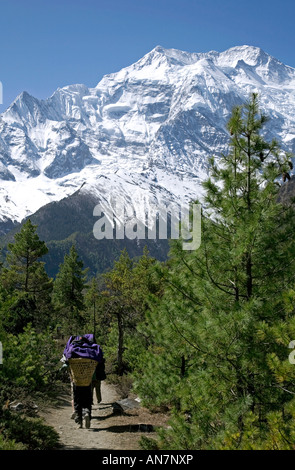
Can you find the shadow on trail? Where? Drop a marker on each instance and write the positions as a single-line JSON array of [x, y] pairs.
[[126, 428]]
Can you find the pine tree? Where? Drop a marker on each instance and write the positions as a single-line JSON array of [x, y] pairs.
[[92, 301], [127, 287], [28, 287], [222, 328], [118, 293], [68, 292]]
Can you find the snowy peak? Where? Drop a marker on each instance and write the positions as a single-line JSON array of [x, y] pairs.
[[156, 122], [158, 64], [262, 64], [168, 56], [24, 107], [249, 54]]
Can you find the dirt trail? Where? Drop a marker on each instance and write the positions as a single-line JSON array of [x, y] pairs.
[[109, 430]]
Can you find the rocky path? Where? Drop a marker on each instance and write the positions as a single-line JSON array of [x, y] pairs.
[[110, 430]]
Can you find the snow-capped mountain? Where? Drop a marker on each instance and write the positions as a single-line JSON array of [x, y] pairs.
[[144, 132]]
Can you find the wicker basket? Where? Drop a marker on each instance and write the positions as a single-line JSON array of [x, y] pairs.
[[82, 371]]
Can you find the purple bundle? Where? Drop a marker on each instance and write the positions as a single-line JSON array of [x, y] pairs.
[[83, 346]]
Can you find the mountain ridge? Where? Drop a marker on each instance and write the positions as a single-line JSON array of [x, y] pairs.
[[152, 124]]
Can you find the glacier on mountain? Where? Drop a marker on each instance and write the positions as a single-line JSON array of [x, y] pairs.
[[146, 131]]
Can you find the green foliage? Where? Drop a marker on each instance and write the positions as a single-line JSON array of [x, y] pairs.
[[30, 368], [277, 432], [68, 298], [148, 444], [22, 433], [10, 444], [94, 311], [26, 288], [25, 273], [127, 287], [30, 361], [220, 331]]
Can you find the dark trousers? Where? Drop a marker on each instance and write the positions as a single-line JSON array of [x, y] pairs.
[[82, 400], [96, 385]]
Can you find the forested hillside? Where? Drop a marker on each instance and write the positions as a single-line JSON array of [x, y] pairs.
[[70, 221]]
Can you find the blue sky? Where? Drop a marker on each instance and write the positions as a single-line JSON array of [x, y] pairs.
[[46, 44]]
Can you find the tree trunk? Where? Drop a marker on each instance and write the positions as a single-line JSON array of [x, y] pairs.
[[120, 344], [94, 318]]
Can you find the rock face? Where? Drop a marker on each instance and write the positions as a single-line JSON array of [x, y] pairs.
[[145, 131]]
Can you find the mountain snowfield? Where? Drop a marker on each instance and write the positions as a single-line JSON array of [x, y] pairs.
[[143, 133]]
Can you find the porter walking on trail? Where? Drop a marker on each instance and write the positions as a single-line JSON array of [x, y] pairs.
[[83, 355]]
